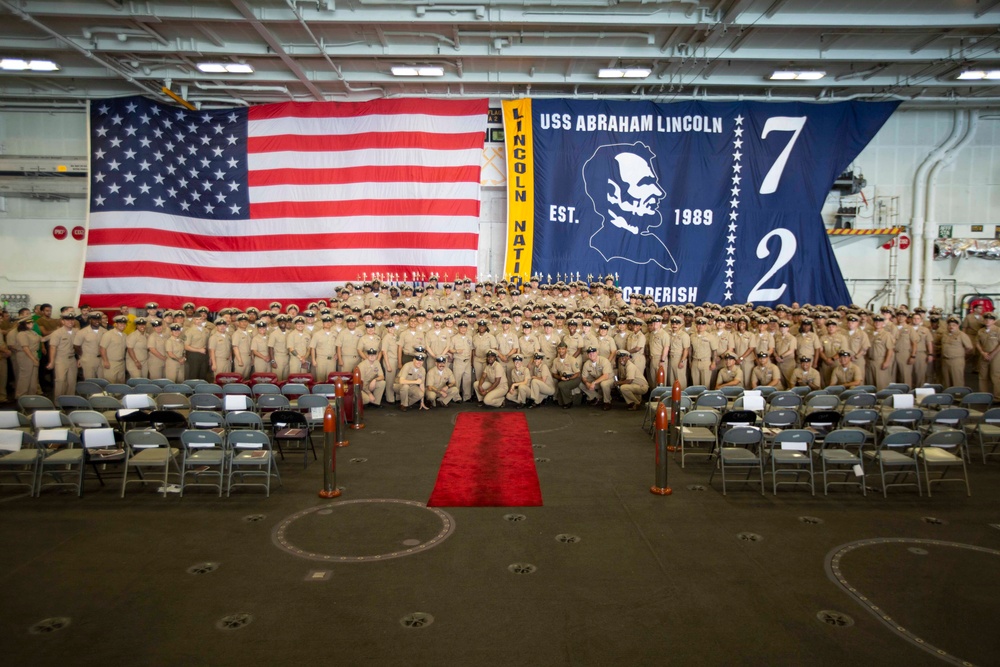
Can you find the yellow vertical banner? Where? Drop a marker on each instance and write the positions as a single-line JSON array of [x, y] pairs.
[[520, 187]]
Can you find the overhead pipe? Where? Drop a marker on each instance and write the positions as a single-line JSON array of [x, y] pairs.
[[241, 88], [25, 16], [930, 226], [918, 211], [322, 49]]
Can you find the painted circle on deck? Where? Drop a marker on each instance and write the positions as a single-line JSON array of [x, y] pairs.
[[833, 570], [329, 512]]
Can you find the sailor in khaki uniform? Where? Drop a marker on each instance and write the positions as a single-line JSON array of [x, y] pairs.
[[90, 347], [847, 374], [241, 339], [703, 345], [785, 349], [137, 351], [347, 346], [492, 385], [597, 375], [323, 349], [461, 350], [156, 346], [482, 342], [880, 355], [630, 381], [298, 347], [925, 349], [676, 353], [519, 388], [372, 377], [566, 371], [389, 353], [259, 350], [764, 373], [542, 383], [806, 376], [113, 351], [411, 383], [731, 375], [440, 384], [176, 355], [62, 358], [829, 345], [220, 349], [955, 344], [196, 348], [988, 346]]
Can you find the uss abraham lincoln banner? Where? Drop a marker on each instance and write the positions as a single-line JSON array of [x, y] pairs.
[[685, 202]]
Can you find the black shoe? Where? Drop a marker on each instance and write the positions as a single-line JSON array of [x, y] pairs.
[[567, 406]]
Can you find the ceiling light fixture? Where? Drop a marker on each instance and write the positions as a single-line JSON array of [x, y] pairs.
[[797, 75], [979, 75], [225, 68], [21, 65], [398, 70], [623, 73]]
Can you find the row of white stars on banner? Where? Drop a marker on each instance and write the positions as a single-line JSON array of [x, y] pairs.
[[734, 205]]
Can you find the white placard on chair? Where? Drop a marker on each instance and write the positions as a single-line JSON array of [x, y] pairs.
[[900, 401], [47, 419], [99, 437], [10, 441], [317, 413], [753, 400], [8, 419], [137, 401], [922, 392], [795, 446], [235, 402], [53, 435]]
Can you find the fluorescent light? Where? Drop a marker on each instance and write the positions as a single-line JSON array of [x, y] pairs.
[[225, 68], [623, 73], [979, 75], [20, 65], [399, 70], [797, 75]]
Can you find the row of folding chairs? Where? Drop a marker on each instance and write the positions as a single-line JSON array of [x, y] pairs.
[[791, 457], [204, 458]]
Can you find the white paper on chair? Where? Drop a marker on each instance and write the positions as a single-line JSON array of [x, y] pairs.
[[795, 446], [53, 435], [10, 441], [858, 470], [235, 402], [922, 392], [124, 412], [47, 419], [900, 401], [99, 437], [136, 401], [317, 413], [8, 419], [753, 400]]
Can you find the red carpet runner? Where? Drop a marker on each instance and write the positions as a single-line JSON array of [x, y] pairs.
[[489, 463]]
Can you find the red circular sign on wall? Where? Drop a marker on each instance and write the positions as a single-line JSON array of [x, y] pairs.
[[904, 241], [59, 232], [78, 233]]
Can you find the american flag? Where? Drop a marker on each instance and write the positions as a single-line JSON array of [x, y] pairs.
[[280, 201]]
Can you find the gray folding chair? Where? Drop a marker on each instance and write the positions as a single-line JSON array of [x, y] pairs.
[[250, 455], [895, 456], [943, 450], [741, 448], [149, 449], [836, 456], [790, 453], [988, 431], [698, 426], [19, 456], [62, 457], [203, 454]]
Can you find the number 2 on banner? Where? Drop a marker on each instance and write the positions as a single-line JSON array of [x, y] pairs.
[[787, 250], [793, 124]]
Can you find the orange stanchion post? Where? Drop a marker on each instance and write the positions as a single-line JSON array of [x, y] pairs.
[[662, 433], [330, 489], [338, 407], [359, 402], [661, 376], [675, 415]]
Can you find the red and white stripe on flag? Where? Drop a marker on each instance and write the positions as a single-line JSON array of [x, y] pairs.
[[331, 192]]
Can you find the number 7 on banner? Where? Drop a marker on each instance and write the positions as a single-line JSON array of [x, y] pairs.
[[793, 124]]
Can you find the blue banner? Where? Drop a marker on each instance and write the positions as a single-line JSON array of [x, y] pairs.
[[687, 202]]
